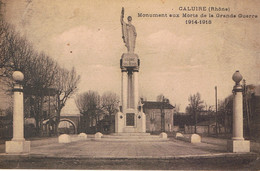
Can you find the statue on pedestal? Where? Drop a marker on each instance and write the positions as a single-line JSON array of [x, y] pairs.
[[131, 118], [128, 33]]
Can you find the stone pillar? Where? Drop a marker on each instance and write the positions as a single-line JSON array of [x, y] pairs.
[[18, 118], [143, 122], [124, 90], [119, 122], [130, 98], [18, 143], [238, 144], [136, 93], [237, 113], [129, 119]]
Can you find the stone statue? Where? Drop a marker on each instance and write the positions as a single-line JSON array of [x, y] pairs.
[[128, 33]]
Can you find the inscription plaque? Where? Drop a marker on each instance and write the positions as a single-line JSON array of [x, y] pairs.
[[130, 119], [129, 60]]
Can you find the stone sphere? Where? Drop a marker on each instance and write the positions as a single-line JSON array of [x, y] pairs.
[[237, 77], [18, 76]]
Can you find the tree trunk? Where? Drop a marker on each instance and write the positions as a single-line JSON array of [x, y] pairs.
[[41, 114], [248, 118], [225, 130], [57, 122], [37, 115], [96, 127], [195, 122], [110, 123], [88, 122]]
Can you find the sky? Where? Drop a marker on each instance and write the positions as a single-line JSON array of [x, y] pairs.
[[177, 59]]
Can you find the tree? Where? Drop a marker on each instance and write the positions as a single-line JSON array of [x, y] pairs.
[[159, 98], [109, 103], [247, 111], [89, 105], [16, 53], [163, 100], [5, 32], [195, 106], [40, 76], [177, 108], [65, 85], [223, 113], [40, 71]]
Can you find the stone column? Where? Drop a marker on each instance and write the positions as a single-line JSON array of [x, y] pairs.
[[237, 113], [136, 93], [18, 118], [238, 144], [124, 90], [18, 143], [129, 90]]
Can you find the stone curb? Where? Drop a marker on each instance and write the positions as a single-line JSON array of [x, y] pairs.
[[201, 156]]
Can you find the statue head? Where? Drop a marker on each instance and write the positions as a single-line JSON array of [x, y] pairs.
[[129, 18]]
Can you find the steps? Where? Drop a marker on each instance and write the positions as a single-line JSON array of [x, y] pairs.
[[132, 136]]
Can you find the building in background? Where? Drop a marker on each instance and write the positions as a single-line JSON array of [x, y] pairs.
[[253, 111], [159, 116]]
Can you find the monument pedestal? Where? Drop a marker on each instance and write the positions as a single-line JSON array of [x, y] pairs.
[[131, 118], [17, 146], [238, 146], [130, 122]]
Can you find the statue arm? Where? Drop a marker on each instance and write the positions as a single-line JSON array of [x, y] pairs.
[[122, 16], [123, 25]]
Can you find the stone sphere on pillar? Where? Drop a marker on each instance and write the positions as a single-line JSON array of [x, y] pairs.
[[237, 77], [18, 76]]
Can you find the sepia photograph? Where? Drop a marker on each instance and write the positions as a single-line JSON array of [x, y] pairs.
[[130, 85]]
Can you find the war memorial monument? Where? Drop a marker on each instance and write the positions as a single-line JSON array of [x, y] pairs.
[[131, 118], [122, 149]]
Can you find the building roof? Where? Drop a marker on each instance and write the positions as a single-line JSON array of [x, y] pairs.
[[157, 105]]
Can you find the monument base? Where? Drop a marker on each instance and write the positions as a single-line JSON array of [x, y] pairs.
[[139, 123], [14, 147], [238, 146]]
